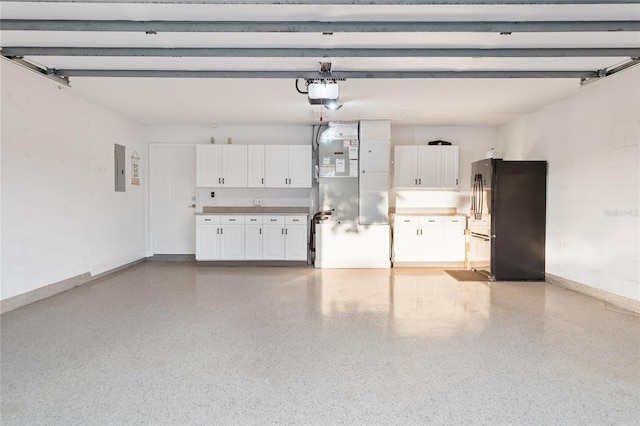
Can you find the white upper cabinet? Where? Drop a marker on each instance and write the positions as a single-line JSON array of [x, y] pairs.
[[208, 165], [426, 166], [288, 166], [300, 166], [221, 166], [255, 162], [253, 166]]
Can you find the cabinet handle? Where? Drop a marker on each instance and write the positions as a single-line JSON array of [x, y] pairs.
[[223, 181], [221, 231], [286, 231], [218, 231], [416, 181], [263, 181], [456, 181], [282, 231], [219, 180], [419, 181], [285, 181], [260, 231], [417, 232], [421, 232]]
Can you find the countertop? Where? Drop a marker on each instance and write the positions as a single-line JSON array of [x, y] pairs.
[[253, 210]]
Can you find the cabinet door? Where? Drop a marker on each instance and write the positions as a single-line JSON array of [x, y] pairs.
[[253, 237], [234, 166], [295, 238], [207, 242], [431, 243], [276, 166], [255, 165], [232, 242], [428, 166], [295, 242], [405, 166], [273, 242], [406, 239], [300, 166], [453, 239], [273, 237], [449, 166], [208, 165]]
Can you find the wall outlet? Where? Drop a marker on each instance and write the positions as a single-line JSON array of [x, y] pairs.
[[257, 202]]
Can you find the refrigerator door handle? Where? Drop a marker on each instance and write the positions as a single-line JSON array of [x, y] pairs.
[[481, 207]]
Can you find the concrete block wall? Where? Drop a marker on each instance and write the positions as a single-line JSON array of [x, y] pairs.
[[591, 143]]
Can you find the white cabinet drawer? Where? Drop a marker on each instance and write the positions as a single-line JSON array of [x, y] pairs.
[[273, 220], [295, 220], [253, 220], [232, 220], [432, 221], [208, 220], [459, 221]]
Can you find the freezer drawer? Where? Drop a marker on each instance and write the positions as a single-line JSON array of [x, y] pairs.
[[480, 252]]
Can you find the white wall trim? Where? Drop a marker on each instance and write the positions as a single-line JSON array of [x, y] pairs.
[[47, 291], [604, 296]]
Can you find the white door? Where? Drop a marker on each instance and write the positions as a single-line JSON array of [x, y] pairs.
[[172, 187]]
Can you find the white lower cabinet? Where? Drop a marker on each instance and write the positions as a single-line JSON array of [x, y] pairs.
[[295, 238], [273, 238], [428, 239], [231, 237], [251, 237], [207, 237]]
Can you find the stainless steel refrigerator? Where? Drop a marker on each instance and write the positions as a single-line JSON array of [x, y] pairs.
[[508, 219]]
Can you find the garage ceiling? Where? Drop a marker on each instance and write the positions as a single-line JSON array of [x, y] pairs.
[[207, 62]]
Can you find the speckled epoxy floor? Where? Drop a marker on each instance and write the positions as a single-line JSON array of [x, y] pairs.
[[176, 343]]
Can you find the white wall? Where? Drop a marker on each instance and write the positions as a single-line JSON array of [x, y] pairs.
[[60, 214], [591, 143], [473, 142]]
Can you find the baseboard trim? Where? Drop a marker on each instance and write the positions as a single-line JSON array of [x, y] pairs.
[[172, 258], [49, 290], [604, 296], [32, 296]]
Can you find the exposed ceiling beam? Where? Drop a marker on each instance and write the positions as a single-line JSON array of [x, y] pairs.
[[316, 75], [314, 26], [352, 2], [45, 72], [314, 52]]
